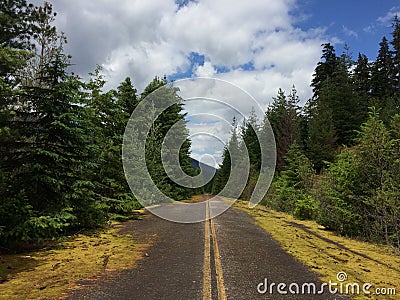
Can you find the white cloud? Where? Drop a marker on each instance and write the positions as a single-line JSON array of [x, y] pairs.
[[370, 29], [388, 18], [351, 33], [206, 70], [142, 39], [148, 38]]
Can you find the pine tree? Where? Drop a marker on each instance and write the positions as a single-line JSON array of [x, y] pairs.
[[325, 68], [361, 82], [50, 158], [381, 73], [322, 139], [378, 171], [337, 109], [347, 106], [109, 116], [231, 159], [290, 188], [321, 143], [250, 140], [362, 75], [171, 117], [283, 115], [15, 51], [127, 96], [396, 55], [222, 175]]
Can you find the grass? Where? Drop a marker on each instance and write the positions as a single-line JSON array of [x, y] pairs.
[[49, 274], [328, 254]]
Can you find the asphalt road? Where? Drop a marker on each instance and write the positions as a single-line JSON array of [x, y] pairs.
[[227, 257]]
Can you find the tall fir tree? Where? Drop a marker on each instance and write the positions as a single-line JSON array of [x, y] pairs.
[[50, 158], [249, 133], [322, 140], [325, 68], [381, 73], [173, 116], [283, 115], [231, 157], [396, 55], [361, 77]]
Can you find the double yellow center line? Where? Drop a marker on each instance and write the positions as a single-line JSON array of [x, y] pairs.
[[207, 287]]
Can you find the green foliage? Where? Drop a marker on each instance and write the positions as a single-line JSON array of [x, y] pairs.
[[381, 73], [284, 117], [165, 119], [379, 169], [231, 158], [321, 142], [289, 190], [222, 175], [359, 194], [306, 208], [108, 114], [337, 196], [61, 140], [250, 140], [356, 156]]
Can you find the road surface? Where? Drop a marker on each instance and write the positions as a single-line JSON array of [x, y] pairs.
[[227, 257]]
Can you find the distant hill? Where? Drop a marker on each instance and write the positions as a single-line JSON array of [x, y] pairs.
[[208, 170]]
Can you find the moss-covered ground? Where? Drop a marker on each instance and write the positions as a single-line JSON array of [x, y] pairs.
[[50, 273], [327, 254]]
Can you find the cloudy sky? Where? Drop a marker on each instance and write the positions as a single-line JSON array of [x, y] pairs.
[[259, 45]]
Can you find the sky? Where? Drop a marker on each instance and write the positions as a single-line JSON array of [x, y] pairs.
[[258, 45]]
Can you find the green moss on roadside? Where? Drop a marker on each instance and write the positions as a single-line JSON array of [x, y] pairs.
[[48, 274], [328, 254]]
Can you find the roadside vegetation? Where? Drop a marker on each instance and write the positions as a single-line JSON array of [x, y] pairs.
[[338, 156], [327, 254], [51, 272], [338, 162], [61, 136]]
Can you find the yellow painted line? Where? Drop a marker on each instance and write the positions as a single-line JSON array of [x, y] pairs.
[[207, 259], [217, 259]]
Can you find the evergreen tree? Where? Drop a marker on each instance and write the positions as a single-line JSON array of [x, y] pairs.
[[289, 189], [283, 115], [15, 50], [396, 55], [325, 68], [358, 196], [340, 206], [231, 158], [381, 73], [322, 138], [49, 160], [222, 175], [362, 75], [346, 105], [250, 140], [127, 96], [321, 143], [16, 19], [110, 112], [378, 172], [338, 107], [361, 81], [53, 157], [172, 116]]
